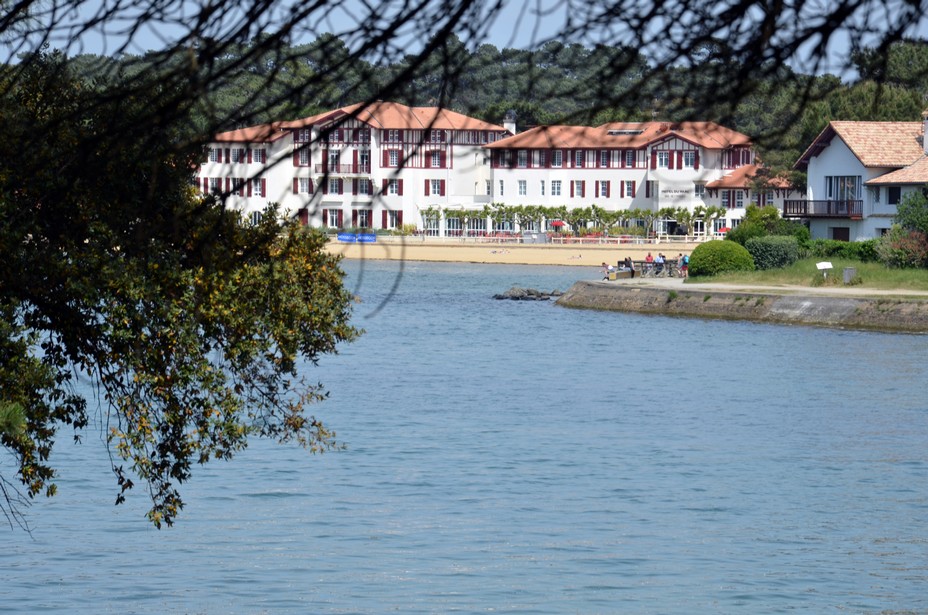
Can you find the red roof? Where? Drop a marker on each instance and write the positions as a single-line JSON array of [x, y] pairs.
[[391, 115], [915, 173], [742, 177], [623, 135], [876, 144], [263, 133]]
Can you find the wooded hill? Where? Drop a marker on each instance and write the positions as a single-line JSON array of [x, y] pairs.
[[781, 110]]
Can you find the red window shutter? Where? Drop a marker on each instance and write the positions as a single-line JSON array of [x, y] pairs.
[[386, 158], [653, 159], [370, 185], [608, 188], [296, 185], [263, 187], [647, 189], [341, 219], [228, 155], [341, 186], [296, 157], [442, 184], [325, 217], [399, 218], [583, 189], [384, 219], [399, 187], [354, 185], [622, 189], [249, 188], [386, 183], [228, 184], [304, 216], [354, 217], [205, 185], [354, 161], [401, 136], [679, 160], [696, 163], [596, 190], [631, 191], [442, 160], [571, 189], [325, 187], [249, 155], [426, 191]]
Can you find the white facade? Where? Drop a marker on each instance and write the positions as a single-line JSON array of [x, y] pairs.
[[851, 194]]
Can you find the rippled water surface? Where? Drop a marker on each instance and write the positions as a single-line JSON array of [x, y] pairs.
[[524, 458]]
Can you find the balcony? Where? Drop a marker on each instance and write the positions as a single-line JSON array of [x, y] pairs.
[[849, 208], [344, 169]]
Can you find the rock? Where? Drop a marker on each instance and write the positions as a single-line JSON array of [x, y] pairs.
[[517, 293]]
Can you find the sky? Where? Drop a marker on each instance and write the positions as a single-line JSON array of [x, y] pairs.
[[520, 25]]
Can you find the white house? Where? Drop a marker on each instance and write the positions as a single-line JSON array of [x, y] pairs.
[[381, 165], [641, 165], [364, 166], [857, 173]]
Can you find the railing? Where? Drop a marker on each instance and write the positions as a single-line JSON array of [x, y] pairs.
[[343, 168], [849, 208]]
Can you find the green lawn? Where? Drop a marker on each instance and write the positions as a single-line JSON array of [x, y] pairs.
[[805, 273]]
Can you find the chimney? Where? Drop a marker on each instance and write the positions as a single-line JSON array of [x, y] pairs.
[[509, 122], [925, 131]]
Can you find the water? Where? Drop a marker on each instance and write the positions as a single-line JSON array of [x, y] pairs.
[[524, 458]]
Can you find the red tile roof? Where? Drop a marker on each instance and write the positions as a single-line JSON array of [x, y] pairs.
[[742, 177], [623, 135], [915, 173], [391, 115], [876, 144], [263, 133]]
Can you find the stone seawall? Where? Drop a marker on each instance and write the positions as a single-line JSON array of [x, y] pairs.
[[872, 313]]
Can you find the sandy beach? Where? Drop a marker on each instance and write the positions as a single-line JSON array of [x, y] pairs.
[[586, 255]]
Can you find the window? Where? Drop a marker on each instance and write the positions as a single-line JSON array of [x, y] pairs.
[[238, 186], [393, 186], [663, 160], [501, 187], [364, 186], [489, 188], [453, 226], [435, 159], [522, 160], [364, 135], [523, 187], [305, 187], [689, 160], [393, 136], [893, 195], [557, 158], [718, 224], [604, 189], [555, 187], [259, 155], [604, 158], [302, 135], [363, 218], [331, 217], [333, 161], [393, 158], [435, 186], [239, 155], [435, 136], [215, 154], [726, 198], [630, 189], [542, 158], [429, 223], [579, 158], [393, 219], [257, 187], [255, 218], [304, 157], [215, 185], [334, 185], [739, 198], [700, 191], [542, 187], [630, 158], [578, 188], [364, 161], [842, 188]]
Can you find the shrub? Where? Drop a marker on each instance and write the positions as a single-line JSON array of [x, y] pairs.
[[903, 248], [714, 257], [863, 251], [773, 252]]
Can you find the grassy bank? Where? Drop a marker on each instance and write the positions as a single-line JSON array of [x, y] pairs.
[[805, 273]]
